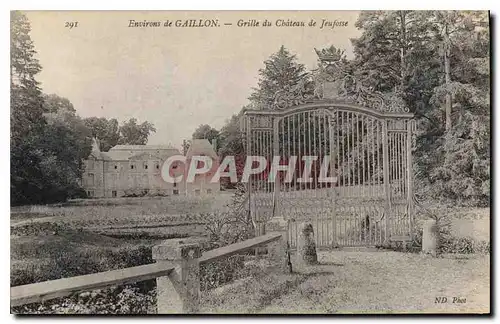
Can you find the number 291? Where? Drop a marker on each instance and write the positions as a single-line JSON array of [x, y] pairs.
[[71, 24]]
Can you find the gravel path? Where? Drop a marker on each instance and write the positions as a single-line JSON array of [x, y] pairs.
[[354, 282], [363, 282]]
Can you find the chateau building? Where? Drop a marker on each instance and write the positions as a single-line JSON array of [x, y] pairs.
[[135, 170]]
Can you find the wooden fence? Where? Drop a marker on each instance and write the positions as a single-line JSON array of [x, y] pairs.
[[176, 271]]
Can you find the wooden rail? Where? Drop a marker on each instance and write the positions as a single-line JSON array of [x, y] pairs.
[[42, 291], [239, 247]]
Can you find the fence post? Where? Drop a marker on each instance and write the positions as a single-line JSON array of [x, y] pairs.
[[179, 292]]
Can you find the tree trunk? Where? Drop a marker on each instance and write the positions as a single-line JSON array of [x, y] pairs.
[[447, 77], [403, 50]]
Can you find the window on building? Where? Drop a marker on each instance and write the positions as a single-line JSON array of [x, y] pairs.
[[131, 166], [90, 193], [175, 184], [145, 165], [176, 192], [91, 179], [113, 193], [116, 167], [157, 166]]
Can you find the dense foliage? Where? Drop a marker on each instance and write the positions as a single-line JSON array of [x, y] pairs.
[[281, 72], [438, 62]]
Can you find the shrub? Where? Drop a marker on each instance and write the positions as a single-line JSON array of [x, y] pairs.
[[36, 229], [78, 262], [129, 299], [463, 245], [220, 272], [138, 298], [226, 228], [448, 242]]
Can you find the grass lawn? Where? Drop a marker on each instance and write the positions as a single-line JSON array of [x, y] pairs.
[[153, 216], [362, 282], [85, 236]]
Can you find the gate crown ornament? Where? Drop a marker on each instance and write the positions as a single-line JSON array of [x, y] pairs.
[[332, 81]]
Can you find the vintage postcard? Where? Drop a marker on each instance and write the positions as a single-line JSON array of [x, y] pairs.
[[250, 162]]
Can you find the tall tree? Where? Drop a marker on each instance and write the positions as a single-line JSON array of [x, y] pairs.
[[448, 28], [106, 131], [206, 131], [133, 133], [231, 144], [438, 60], [52, 103], [26, 115], [281, 72], [462, 161], [26, 96], [110, 133], [48, 140], [393, 47], [66, 142]]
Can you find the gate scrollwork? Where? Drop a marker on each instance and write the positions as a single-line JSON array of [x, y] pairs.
[[333, 80]]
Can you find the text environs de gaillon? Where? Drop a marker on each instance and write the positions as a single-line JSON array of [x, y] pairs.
[[175, 23]]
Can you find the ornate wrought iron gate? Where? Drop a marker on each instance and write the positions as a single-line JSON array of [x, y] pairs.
[[357, 140]]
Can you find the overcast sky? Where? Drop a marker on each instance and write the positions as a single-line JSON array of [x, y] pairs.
[[176, 78]]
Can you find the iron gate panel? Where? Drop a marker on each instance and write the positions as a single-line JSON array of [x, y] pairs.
[[365, 136], [361, 208], [349, 211]]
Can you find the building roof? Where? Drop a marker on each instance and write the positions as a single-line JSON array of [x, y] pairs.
[[142, 148], [117, 156], [126, 152]]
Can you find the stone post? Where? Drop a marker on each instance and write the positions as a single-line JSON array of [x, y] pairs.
[[279, 250], [430, 237], [306, 247], [179, 292]]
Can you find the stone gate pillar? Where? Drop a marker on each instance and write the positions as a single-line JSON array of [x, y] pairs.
[[279, 251], [306, 247], [179, 292]]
